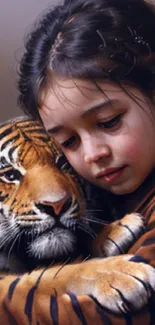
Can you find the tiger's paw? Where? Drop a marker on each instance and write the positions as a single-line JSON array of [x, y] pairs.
[[117, 283], [122, 235]]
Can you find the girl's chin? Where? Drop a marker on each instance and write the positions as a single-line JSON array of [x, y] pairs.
[[121, 189]]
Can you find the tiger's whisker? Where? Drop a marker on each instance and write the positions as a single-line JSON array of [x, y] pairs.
[[87, 230], [6, 240], [98, 221], [86, 258], [86, 226], [61, 267], [9, 253]]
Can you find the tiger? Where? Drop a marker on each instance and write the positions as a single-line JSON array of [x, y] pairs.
[[43, 218]]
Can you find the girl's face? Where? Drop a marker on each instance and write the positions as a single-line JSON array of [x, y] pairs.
[[107, 136]]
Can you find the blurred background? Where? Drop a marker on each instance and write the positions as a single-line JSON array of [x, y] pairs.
[[16, 19]]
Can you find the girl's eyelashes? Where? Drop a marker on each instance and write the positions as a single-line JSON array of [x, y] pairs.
[[111, 123], [69, 142]]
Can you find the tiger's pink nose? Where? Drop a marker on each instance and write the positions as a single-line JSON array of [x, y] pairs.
[[58, 205]]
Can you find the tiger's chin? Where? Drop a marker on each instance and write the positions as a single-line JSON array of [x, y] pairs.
[[55, 245]]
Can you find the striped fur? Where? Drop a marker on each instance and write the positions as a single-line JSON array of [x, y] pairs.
[[41, 205], [114, 290]]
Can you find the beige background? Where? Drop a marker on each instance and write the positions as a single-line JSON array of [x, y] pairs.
[[16, 18]]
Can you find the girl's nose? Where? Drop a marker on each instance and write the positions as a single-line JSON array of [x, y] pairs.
[[93, 153]]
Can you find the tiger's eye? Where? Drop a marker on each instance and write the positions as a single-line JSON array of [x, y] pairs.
[[12, 175]]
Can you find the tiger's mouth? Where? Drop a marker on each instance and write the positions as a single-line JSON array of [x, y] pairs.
[[42, 224]]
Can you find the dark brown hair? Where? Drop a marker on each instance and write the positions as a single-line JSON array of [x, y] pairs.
[[105, 39]]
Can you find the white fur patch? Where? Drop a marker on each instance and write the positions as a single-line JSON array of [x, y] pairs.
[[56, 243]]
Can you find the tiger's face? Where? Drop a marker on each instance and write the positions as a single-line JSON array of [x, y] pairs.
[[41, 204]]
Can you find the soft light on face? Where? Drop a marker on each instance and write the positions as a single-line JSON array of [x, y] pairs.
[[107, 136]]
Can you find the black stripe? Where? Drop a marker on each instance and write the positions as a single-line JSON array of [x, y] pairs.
[[54, 310], [12, 288], [146, 285], [11, 151], [29, 304], [106, 320], [128, 318], [3, 197], [25, 151], [6, 132], [30, 297], [148, 241], [139, 259], [32, 128], [4, 145], [40, 138], [127, 305], [118, 247], [128, 228], [151, 308], [77, 308]]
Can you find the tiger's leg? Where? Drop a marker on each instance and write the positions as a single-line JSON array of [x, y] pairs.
[[43, 305], [116, 283], [117, 237]]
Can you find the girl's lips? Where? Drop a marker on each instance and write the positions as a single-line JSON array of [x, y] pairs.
[[111, 174]]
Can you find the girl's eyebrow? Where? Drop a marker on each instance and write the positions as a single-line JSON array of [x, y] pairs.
[[99, 106], [90, 110]]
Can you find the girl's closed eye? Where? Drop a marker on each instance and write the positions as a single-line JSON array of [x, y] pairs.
[[110, 124], [69, 142]]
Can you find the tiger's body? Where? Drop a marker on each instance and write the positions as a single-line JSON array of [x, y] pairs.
[[43, 218]]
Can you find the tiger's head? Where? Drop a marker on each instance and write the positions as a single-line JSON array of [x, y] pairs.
[[41, 202]]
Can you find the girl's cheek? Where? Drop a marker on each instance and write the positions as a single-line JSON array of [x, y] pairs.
[[75, 161], [80, 166], [130, 148]]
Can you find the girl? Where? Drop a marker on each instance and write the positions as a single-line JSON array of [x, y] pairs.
[[88, 73]]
